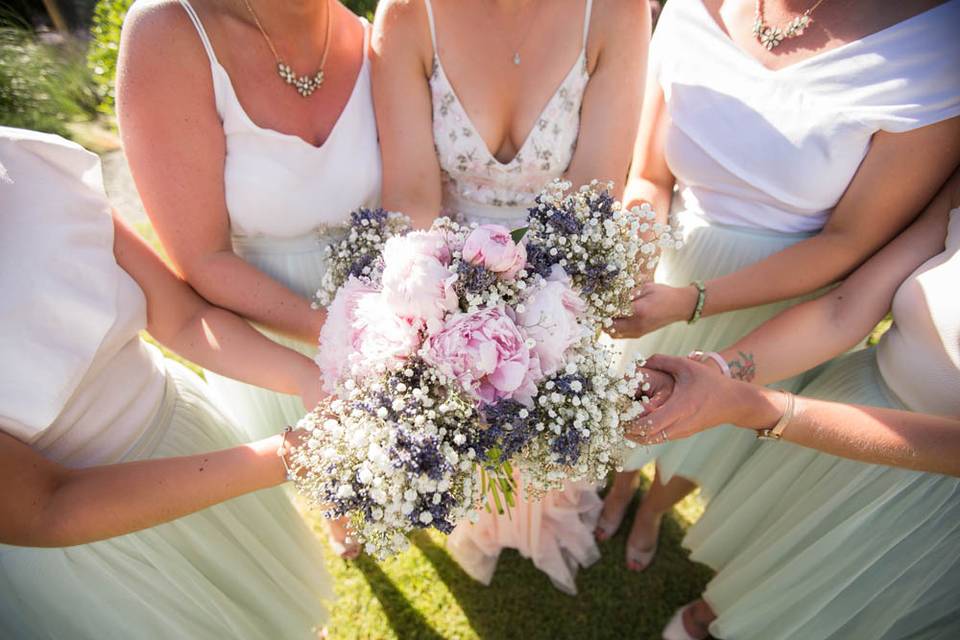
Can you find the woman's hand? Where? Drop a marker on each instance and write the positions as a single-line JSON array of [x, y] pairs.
[[701, 398], [659, 390], [655, 306], [310, 391]]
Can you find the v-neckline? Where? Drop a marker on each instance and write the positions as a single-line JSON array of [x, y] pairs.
[[579, 64], [340, 116], [725, 36]]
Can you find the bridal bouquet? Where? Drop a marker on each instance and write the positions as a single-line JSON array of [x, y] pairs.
[[465, 348]]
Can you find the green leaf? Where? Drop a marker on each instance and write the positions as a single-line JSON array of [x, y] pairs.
[[496, 497], [517, 234]]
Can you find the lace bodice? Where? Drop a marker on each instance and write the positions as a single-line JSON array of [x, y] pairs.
[[476, 186]]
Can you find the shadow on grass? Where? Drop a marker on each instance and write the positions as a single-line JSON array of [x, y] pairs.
[[404, 619], [612, 602]]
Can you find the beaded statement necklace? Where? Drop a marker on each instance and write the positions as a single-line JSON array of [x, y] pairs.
[[771, 36], [305, 85]]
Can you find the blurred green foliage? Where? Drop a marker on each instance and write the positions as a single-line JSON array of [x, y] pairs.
[[105, 27], [44, 83]]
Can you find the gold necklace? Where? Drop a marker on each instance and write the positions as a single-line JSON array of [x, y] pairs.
[[771, 37], [516, 49], [305, 85]]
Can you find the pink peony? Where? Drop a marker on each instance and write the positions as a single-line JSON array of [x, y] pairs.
[[431, 243], [385, 339], [491, 246], [417, 285], [550, 317], [338, 337], [486, 352]]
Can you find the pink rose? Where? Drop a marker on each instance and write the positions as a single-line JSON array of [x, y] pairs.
[[417, 284], [338, 337], [486, 352], [550, 316], [491, 246]]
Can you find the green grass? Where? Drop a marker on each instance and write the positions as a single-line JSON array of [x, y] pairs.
[[423, 594]]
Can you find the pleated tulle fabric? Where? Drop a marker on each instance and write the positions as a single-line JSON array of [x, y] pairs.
[[555, 532], [710, 251], [246, 568], [299, 263], [809, 545]]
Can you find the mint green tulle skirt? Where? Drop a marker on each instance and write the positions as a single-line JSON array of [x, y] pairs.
[[248, 568], [299, 263], [809, 545], [710, 250]]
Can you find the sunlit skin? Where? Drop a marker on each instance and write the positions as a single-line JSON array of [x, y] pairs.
[[696, 396], [899, 175], [477, 41], [174, 139], [48, 505]]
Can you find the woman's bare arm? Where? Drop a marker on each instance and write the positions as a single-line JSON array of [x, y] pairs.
[[650, 179], [703, 398], [609, 116], [212, 337], [174, 142], [813, 332], [401, 65], [44, 504], [899, 175]]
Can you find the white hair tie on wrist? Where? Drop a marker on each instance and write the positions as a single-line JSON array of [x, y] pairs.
[[702, 356]]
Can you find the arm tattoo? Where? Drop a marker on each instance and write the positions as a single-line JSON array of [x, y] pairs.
[[743, 367]]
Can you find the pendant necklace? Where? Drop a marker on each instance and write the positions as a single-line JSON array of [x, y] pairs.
[[771, 37], [516, 50], [305, 85]]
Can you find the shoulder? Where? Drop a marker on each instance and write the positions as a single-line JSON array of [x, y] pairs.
[[152, 19], [159, 34], [622, 26], [618, 23], [620, 17], [160, 50], [401, 27]]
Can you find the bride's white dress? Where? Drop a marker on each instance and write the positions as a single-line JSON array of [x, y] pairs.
[[556, 533]]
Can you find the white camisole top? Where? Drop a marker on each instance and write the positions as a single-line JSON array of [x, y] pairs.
[[278, 185]]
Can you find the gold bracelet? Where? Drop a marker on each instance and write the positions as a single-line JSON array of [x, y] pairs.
[[282, 452], [776, 431], [701, 299]]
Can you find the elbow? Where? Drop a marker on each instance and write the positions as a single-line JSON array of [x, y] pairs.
[[51, 524], [849, 318]]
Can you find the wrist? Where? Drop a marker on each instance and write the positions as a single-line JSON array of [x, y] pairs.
[[758, 407], [316, 320], [687, 298]]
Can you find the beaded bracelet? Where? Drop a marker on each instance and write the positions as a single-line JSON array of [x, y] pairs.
[[701, 299]]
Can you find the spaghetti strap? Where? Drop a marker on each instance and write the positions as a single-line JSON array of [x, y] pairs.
[[200, 30], [433, 26], [588, 11]]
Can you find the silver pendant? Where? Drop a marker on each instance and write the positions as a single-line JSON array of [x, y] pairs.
[[516, 58]]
